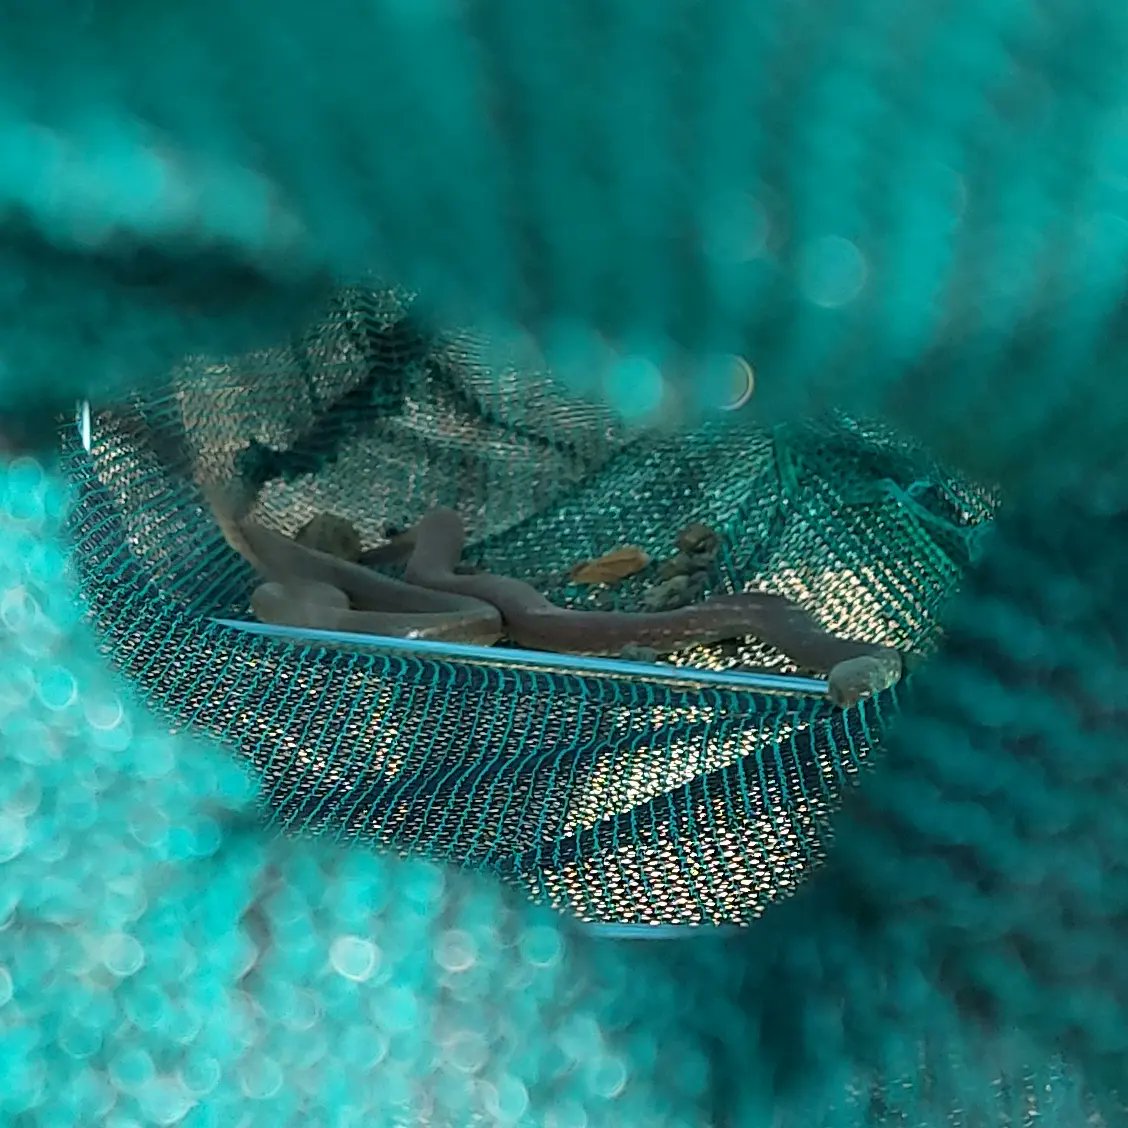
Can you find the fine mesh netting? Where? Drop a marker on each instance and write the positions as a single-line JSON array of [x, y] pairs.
[[622, 796], [909, 218]]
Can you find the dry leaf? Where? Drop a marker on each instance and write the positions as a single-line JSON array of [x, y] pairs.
[[612, 567]]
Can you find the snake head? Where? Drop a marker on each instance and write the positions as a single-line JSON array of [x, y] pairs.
[[855, 678]]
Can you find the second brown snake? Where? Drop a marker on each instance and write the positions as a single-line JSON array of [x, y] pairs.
[[309, 589]]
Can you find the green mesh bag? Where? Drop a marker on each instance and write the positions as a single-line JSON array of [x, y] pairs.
[[523, 889], [588, 781]]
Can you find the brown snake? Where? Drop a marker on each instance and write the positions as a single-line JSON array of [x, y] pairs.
[[310, 589]]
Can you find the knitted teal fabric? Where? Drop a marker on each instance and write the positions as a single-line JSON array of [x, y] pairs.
[[166, 962], [908, 211], [912, 207]]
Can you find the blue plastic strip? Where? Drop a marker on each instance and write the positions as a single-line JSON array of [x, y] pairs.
[[765, 682]]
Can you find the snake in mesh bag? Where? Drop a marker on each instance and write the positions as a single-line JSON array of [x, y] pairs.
[[307, 588]]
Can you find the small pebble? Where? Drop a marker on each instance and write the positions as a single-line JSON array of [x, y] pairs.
[[698, 540], [634, 653], [396, 548], [675, 592], [331, 534], [678, 565], [685, 564]]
